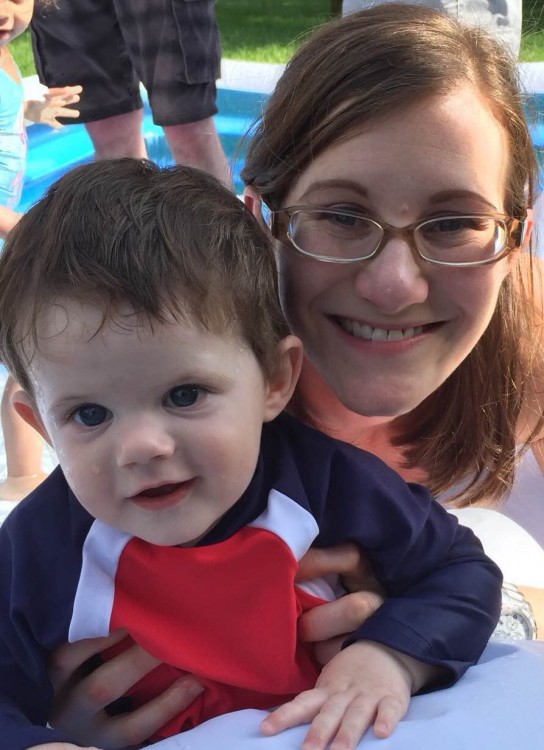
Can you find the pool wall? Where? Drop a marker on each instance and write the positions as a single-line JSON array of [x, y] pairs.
[[242, 91]]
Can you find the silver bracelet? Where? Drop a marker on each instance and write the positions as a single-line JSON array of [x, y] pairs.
[[517, 621]]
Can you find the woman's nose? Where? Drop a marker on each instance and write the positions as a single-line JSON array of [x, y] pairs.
[[142, 441], [394, 279]]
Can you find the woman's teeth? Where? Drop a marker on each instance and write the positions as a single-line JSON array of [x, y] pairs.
[[364, 331]]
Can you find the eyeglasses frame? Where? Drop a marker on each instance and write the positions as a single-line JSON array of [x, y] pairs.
[[516, 229]]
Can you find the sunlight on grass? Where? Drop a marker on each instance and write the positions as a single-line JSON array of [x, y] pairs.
[[270, 30], [533, 47], [267, 31], [21, 50]]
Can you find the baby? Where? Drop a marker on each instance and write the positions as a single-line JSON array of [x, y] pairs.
[[139, 312]]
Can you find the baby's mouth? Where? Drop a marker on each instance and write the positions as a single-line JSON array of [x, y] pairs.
[[163, 496], [164, 489]]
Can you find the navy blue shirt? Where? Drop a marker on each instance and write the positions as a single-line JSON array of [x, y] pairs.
[[443, 592]]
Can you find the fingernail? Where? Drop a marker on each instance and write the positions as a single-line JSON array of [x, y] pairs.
[[190, 686]]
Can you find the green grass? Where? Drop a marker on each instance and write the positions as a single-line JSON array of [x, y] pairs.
[[532, 44], [22, 52], [269, 30]]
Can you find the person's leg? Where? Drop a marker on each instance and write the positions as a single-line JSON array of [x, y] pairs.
[[197, 144], [178, 62], [80, 42], [23, 448], [120, 135]]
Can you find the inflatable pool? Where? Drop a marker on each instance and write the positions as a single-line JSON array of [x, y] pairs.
[[242, 91]]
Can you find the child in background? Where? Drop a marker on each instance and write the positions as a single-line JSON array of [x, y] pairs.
[[23, 447], [155, 359]]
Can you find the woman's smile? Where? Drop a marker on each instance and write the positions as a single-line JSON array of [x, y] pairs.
[[387, 332], [380, 334]]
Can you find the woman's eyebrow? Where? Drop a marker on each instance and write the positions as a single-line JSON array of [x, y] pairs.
[[447, 195], [321, 185]]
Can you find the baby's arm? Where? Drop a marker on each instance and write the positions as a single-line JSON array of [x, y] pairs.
[[60, 746], [55, 103], [365, 685]]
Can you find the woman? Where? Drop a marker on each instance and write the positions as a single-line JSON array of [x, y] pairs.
[[396, 140]]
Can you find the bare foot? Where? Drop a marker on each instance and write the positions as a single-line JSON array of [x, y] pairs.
[[16, 488]]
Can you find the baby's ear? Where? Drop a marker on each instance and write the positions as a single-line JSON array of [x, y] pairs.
[[26, 408], [282, 385]]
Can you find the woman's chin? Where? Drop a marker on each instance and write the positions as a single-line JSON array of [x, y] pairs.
[[382, 404]]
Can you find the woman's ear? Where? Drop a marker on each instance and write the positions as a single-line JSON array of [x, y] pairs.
[[26, 408], [529, 225], [253, 200], [281, 387]]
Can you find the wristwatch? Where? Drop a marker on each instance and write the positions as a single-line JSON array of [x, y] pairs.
[[517, 621]]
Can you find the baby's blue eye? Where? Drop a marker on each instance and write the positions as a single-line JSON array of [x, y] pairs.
[[91, 415], [184, 395]]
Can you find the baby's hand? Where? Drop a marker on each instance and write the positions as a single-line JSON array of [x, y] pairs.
[[55, 103], [60, 746], [365, 684]]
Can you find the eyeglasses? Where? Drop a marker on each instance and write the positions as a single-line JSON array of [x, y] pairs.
[[343, 236]]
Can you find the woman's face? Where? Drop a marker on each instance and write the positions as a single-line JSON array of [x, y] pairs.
[[386, 332]]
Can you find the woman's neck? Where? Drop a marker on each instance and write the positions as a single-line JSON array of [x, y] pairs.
[[320, 407]]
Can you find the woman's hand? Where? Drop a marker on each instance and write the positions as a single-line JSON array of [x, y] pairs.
[[327, 626], [82, 696]]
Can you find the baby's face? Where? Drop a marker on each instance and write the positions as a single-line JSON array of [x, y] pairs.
[[15, 16], [157, 431]]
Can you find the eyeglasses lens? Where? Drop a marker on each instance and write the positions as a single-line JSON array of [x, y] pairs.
[[336, 235]]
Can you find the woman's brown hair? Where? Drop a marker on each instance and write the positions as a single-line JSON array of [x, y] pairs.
[[352, 74]]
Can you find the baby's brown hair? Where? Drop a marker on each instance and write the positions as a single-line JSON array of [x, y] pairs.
[[172, 243]]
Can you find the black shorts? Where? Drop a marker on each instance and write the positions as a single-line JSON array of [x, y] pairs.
[[109, 46]]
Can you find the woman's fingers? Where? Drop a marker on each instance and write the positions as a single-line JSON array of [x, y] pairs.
[[338, 617], [85, 696], [324, 625], [67, 661], [344, 559], [324, 651], [136, 727], [81, 697]]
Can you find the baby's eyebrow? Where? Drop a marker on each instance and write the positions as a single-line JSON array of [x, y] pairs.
[[66, 402]]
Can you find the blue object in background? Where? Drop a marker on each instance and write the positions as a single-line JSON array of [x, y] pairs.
[[52, 153]]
